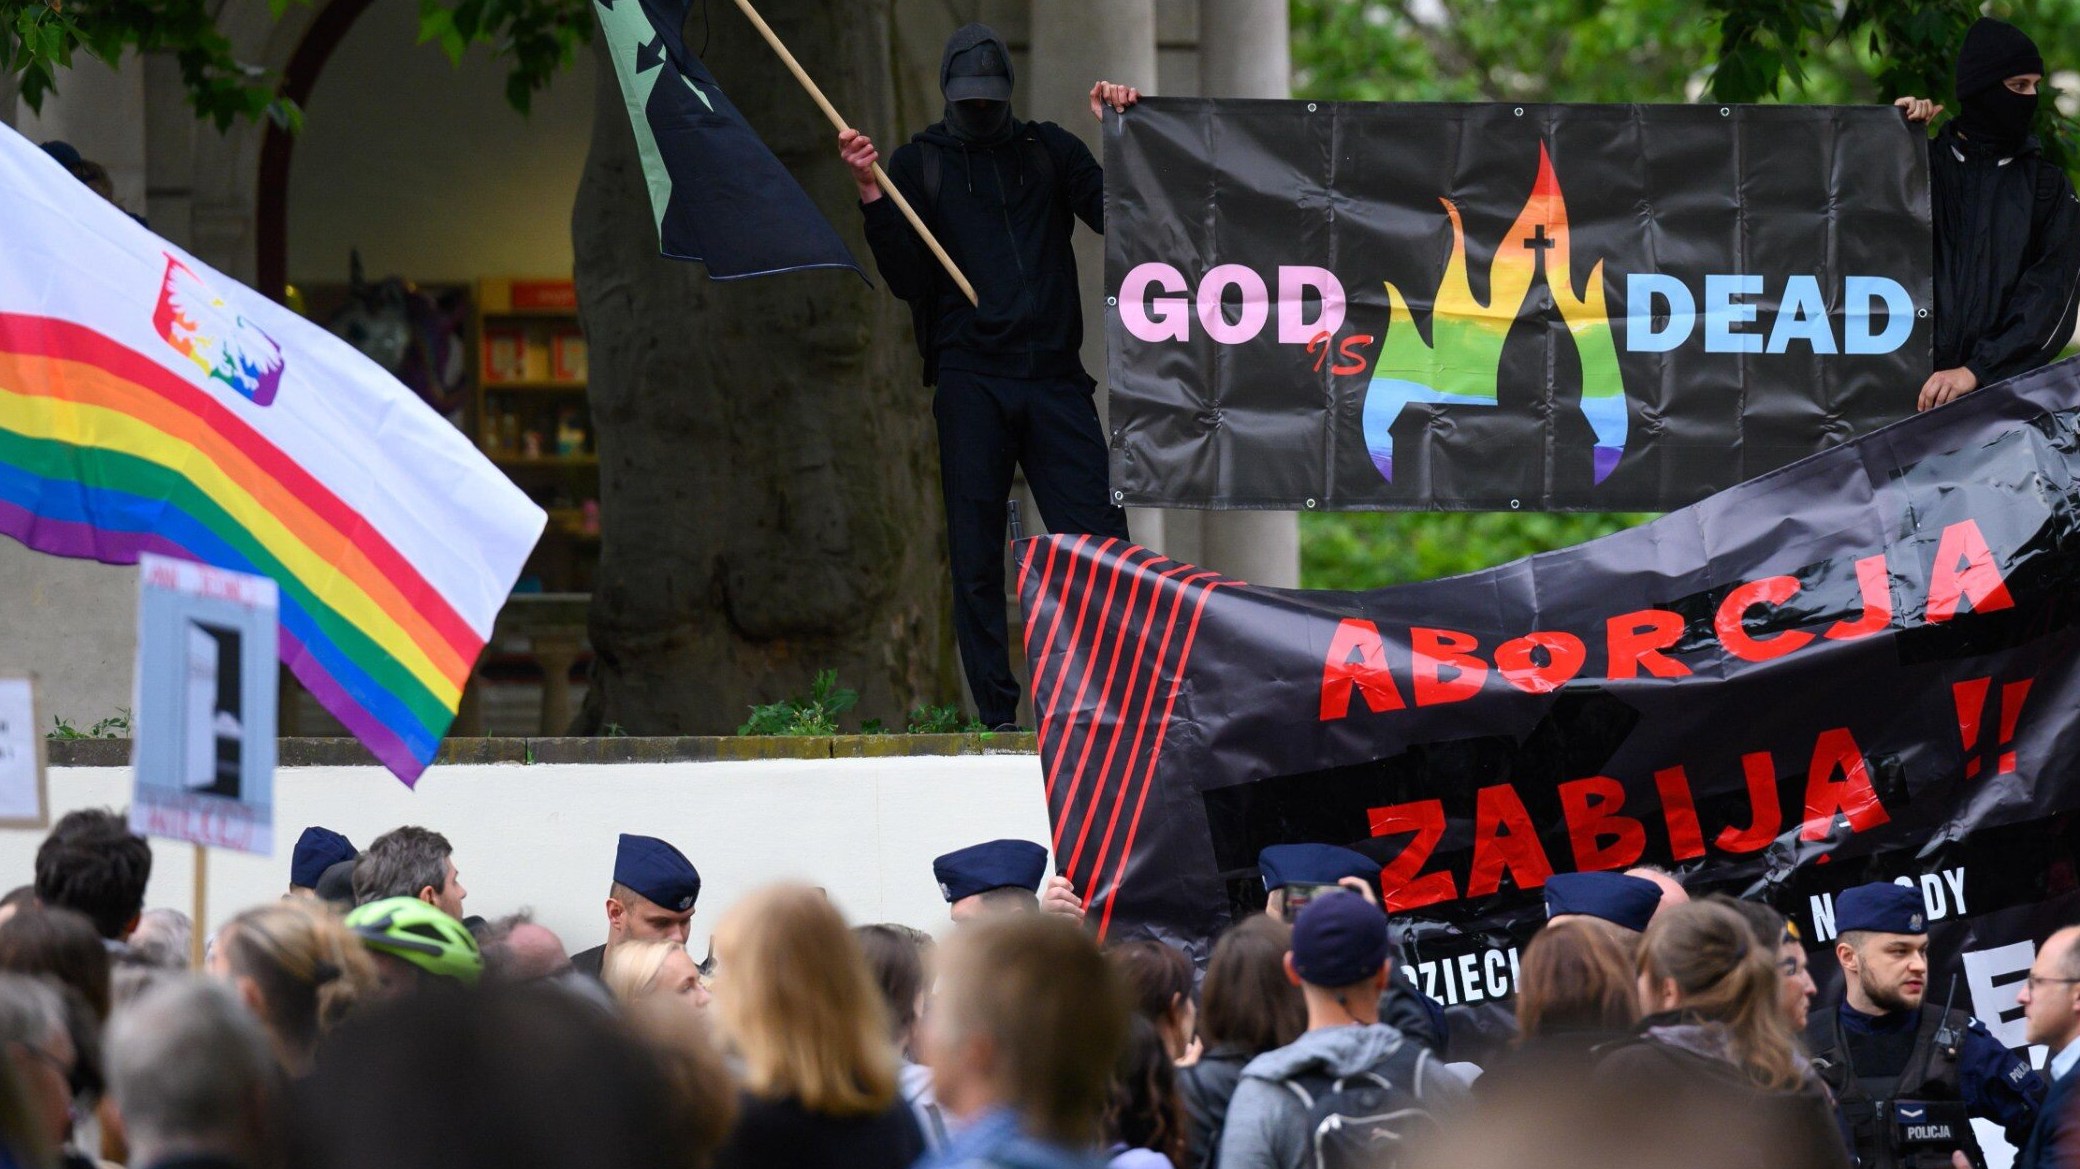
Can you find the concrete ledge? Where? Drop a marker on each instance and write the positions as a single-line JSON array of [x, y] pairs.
[[341, 752]]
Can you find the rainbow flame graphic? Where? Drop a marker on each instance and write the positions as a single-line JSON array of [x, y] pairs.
[[1462, 359]]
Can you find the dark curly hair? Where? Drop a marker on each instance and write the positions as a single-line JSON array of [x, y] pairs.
[[1145, 1111]]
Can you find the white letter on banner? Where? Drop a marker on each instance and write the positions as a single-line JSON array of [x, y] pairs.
[[1640, 290], [1173, 317], [1293, 282], [1802, 317], [1721, 314], [1256, 308], [1857, 296]]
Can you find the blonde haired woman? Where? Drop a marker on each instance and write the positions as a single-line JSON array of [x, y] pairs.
[[802, 1015], [637, 970], [1715, 1042], [297, 969]]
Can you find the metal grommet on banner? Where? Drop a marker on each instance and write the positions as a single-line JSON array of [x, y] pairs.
[[1725, 111], [1520, 111], [1310, 107], [1119, 496], [1921, 313], [1112, 300], [1515, 504], [1310, 505]]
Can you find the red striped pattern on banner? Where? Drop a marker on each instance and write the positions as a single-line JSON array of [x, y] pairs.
[[1137, 613]]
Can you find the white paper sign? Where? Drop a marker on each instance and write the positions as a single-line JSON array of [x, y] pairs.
[[22, 801], [206, 694]]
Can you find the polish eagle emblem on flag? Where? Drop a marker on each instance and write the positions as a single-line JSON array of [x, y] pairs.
[[202, 327]]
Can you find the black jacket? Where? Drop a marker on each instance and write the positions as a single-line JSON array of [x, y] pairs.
[[1005, 214], [1206, 1087], [1679, 1069], [781, 1134], [2007, 257]]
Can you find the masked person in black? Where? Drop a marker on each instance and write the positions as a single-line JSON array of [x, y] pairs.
[[2007, 225], [1002, 197]]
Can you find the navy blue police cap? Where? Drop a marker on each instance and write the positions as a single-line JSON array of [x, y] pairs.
[[1613, 897], [317, 849], [1881, 907], [658, 871], [1338, 941], [996, 864], [1313, 864]]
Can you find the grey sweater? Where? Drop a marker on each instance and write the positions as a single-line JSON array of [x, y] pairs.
[[1267, 1123]]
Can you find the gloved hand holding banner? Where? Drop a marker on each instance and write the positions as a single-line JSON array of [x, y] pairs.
[[1348, 305], [1859, 666]]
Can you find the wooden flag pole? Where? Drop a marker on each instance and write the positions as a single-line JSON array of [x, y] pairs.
[[880, 176]]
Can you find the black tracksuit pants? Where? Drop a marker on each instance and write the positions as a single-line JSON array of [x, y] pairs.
[[988, 424]]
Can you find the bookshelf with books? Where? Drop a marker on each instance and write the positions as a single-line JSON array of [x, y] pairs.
[[533, 420]]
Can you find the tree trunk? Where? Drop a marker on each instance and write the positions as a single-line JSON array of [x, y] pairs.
[[768, 474]]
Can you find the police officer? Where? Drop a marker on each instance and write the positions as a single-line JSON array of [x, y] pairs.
[[1626, 902], [999, 876], [317, 849], [1002, 197], [1907, 1079], [652, 897], [1286, 868]]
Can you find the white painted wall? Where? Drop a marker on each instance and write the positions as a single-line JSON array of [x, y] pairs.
[[425, 167], [866, 830]]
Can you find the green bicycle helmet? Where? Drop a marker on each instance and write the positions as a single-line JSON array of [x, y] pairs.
[[408, 928]]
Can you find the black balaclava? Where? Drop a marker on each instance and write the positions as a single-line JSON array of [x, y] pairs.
[[1992, 113], [975, 76]]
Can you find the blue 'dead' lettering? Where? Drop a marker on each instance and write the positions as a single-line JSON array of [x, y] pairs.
[[1662, 313]]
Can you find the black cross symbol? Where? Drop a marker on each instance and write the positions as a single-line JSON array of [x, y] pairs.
[[1539, 240]]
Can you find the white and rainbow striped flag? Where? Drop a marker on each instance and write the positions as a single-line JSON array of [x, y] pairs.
[[149, 403]]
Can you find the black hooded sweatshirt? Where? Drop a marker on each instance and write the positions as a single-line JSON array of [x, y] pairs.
[[1004, 213], [2007, 232]]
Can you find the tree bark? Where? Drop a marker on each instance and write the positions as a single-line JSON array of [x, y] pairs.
[[768, 473]]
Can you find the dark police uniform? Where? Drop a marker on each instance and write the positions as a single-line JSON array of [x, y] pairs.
[[993, 864], [1626, 902], [1012, 391], [649, 868], [1907, 1083]]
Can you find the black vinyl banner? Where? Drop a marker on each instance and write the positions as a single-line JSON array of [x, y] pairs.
[[1594, 307], [1859, 666]]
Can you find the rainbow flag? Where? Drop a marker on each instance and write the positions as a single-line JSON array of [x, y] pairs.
[[149, 403]]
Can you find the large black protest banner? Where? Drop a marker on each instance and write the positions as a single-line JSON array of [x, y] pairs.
[[1364, 306], [1862, 665]]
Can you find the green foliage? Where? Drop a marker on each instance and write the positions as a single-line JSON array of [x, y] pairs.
[[115, 726], [814, 714], [536, 38], [929, 719], [1369, 550], [1772, 49], [38, 38]]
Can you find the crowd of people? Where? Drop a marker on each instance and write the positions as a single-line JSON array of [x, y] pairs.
[[366, 1018]]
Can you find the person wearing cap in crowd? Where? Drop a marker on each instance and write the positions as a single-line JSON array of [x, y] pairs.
[[1672, 891], [2007, 225], [317, 849], [1292, 869], [1339, 959], [1002, 876], [335, 885], [652, 898], [1002, 197], [1626, 902], [1886, 1055]]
